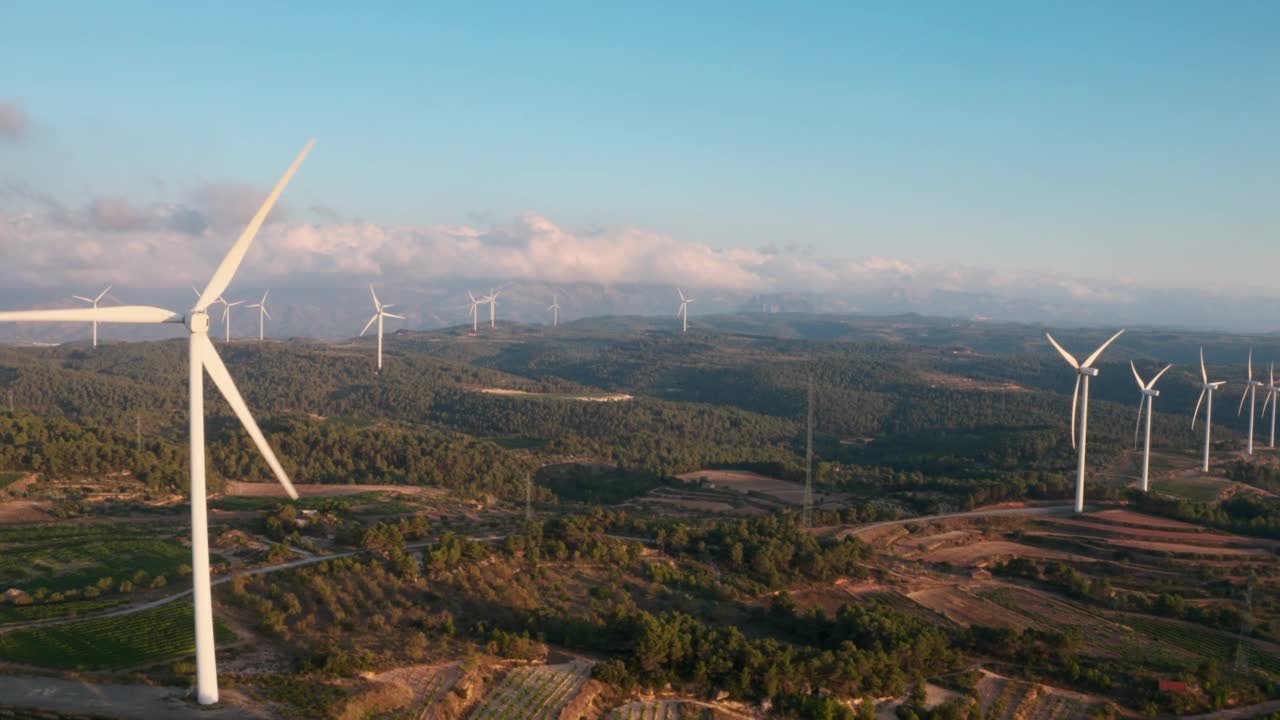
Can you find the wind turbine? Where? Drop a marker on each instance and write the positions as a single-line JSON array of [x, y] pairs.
[[683, 312], [1148, 395], [1251, 392], [1083, 370], [202, 358], [475, 305], [555, 311], [226, 315], [1206, 388], [94, 303], [380, 312], [492, 300], [1272, 390], [226, 309], [262, 313]]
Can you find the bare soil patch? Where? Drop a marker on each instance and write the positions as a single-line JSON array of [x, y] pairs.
[[966, 609], [245, 489], [744, 481], [981, 553], [1128, 517], [15, 512], [1199, 538], [1184, 549]]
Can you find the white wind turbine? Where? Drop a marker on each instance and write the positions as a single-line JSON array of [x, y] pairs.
[[1251, 392], [475, 311], [683, 312], [263, 315], [94, 302], [202, 358], [380, 312], [226, 315], [1272, 390], [554, 307], [1083, 370], [1148, 395], [1206, 388], [492, 301]]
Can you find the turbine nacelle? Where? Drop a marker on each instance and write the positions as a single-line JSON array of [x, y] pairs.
[[198, 321], [1090, 371], [1150, 392]]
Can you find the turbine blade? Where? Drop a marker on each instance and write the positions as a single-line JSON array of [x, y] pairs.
[[264, 311], [681, 293], [1157, 377], [1204, 374], [1136, 376], [391, 315], [136, 314], [102, 294], [77, 297], [227, 269], [1075, 398], [1089, 360], [473, 297], [1243, 396], [213, 365], [1266, 400], [375, 298], [1250, 364], [1065, 355], [369, 324], [263, 301], [1196, 414]]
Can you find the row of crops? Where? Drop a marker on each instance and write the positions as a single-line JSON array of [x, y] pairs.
[[1203, 641], [137, 639], [534, 693]]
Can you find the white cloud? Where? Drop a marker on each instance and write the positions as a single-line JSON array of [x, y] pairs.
[[13, 121]]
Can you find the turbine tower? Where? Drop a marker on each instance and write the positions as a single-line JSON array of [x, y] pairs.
[[202, 358], [554, 307], [1083, 370], [94, 302], [1251, 392], [1272, 389], [1206, 388], [1147, 396], [262, 314], [226, 315], [475, 305], [379, 312], [683, 313], [492, 301]]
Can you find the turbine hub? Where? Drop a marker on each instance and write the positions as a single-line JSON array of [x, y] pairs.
[[1091, 372], [1153, 392], [198, 322]]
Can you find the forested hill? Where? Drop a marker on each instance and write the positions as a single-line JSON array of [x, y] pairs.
[[701, 398]]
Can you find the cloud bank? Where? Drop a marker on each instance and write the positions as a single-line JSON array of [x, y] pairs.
[[113, 240]]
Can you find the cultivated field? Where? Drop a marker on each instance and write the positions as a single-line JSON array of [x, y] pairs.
[[966, 609], [534, 693], [982, 553], [114, 643]]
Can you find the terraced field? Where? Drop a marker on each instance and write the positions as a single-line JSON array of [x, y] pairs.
[[534, 693], [109, 643]]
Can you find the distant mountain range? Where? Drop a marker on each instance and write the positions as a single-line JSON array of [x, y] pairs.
[[340, 312]]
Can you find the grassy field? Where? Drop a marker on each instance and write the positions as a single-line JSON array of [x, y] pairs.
[[109, 643], [1197, 488], [75, 569], [9, 478]]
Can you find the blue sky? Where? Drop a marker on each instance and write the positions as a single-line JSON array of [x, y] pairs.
[[1120, 140]]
